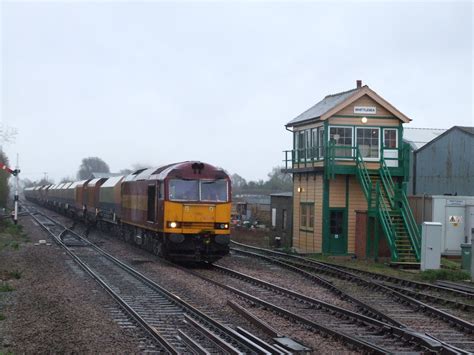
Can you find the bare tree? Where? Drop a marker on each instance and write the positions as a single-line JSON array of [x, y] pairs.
[[7, 134], [67, 179], [279, 181], [92, 165], [238, 183], [4, 176], [125, 172], [139, 166], [44, 181]]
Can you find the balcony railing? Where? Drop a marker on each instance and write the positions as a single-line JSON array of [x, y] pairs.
[[330, 154]]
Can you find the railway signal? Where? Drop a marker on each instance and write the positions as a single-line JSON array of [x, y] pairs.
[[15, 173]]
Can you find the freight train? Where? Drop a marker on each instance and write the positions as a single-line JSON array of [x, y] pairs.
[[180, 211]]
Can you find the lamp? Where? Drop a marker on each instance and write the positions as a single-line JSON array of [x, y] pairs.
[[364, 119]]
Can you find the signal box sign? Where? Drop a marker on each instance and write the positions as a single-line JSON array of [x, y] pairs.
[[365, 110]]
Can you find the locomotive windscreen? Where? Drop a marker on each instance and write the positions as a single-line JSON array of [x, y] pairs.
[[214, 190], [198, 190], [184, 190]]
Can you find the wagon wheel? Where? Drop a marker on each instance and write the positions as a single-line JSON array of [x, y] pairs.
[[127, 236], [158, 248]]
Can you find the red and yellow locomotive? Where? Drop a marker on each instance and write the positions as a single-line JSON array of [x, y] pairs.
[[180, 211]]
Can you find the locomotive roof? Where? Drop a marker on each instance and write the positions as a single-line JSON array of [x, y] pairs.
[[165, 171]]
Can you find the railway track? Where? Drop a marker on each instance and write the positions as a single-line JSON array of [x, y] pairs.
[[174, 325], [349, 325], [455, 332]]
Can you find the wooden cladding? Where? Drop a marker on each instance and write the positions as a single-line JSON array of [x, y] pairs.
[[365, 101], [308, 190]]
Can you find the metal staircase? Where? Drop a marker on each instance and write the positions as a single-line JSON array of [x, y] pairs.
[[389, 204]]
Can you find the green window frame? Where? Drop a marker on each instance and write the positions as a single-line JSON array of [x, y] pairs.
[[307, 216], [368, 141], [390, 138], [343, 137]]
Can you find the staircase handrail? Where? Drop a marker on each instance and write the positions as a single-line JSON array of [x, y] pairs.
[[407, 215], [410, 223], [386, 222], [388, 184], [363, 175]]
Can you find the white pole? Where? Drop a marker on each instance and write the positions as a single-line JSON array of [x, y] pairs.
[[15, 216]]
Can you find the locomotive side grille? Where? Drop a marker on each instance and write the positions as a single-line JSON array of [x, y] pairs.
[[197, 225]]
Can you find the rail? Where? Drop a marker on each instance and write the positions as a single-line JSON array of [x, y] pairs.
[[230, 338], [463, 325]]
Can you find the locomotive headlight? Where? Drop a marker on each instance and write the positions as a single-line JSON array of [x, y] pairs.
[[221, 226], [173, 224]]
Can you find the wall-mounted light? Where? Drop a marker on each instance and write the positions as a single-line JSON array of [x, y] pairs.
[[364, 119], [300, 189]]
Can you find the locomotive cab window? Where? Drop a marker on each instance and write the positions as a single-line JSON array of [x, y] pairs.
[[215, 191], [184, 190], [151, 203]]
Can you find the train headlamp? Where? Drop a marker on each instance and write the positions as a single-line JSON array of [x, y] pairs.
[[172, 224], [221, 226]]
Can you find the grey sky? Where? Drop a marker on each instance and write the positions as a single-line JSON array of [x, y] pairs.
[[158, 82]]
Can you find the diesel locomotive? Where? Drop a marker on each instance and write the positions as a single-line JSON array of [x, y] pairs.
[[180, 211]]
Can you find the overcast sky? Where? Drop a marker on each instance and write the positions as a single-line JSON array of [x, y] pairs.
[[160, 82]]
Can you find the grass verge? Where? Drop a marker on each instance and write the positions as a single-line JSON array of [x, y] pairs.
[[11, 235], [5, 287], [444, 274]]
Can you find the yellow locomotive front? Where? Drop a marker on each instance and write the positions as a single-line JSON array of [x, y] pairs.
[[196, 213]]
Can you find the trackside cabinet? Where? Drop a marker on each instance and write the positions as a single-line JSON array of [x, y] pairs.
[[431, 246]]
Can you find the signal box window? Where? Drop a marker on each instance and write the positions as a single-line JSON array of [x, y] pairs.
[[342, 138], [368, 142], [307, 216], [390, 138]]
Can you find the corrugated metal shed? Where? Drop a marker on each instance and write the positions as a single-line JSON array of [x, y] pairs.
[[445, 165], [418, 137]]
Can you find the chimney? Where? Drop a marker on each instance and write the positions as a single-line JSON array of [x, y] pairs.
[[359, 84]]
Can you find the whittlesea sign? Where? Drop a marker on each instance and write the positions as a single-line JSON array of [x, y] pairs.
[[366, 110]]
